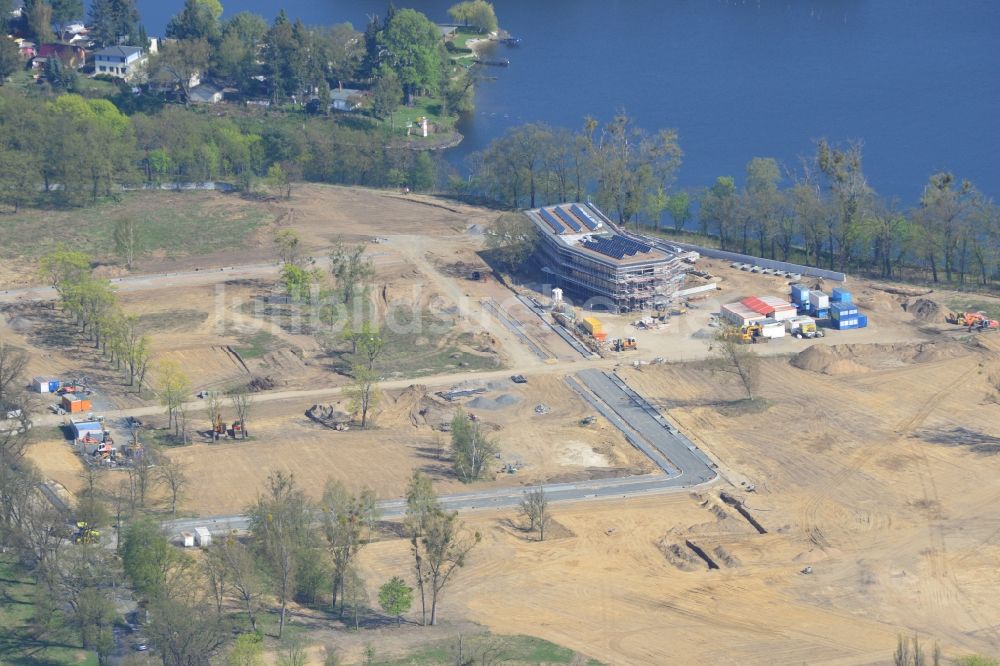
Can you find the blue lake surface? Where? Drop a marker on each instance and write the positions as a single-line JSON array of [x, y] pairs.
[[917, 80]]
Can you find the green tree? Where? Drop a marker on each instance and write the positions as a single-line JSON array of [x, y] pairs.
[[350, 270], [199, 19], [10, 58], [38, 16], [179, 62], [298, 280], [355, 594], [172, 386], [423, 174], [113, 20], [148, 559], [719, 209], [395, 597], [67, 11], [185, 632], [278, 181], [511, 239], [387, 94], [476, 13], [471, 450], [343, 520], [413, 48], [280, 525], [363, 392], [247, 650], [679, 207]]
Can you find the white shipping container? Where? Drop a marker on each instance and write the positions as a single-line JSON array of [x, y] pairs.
[[203, 536], [187, 539], [772, 329], [819, 300]]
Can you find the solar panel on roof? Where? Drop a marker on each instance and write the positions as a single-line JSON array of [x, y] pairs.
[[553, 222], [573, 224], [591, 223]]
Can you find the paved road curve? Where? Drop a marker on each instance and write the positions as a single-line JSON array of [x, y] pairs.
[[682, 464]]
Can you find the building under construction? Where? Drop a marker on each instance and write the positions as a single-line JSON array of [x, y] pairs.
[[590, 258]]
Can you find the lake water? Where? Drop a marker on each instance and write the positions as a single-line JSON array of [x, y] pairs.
[[917, 80]]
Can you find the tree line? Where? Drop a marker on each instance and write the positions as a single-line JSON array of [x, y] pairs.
[[825, 213]]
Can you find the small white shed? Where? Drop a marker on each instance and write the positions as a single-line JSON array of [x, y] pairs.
[[187, 539], [203, 536]]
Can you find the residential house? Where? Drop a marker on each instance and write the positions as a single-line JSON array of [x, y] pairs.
[[205, 93], [123, 62], [26, 49], [70, 55], [345, 99]]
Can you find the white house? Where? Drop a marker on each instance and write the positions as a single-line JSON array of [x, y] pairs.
[[122, 62]]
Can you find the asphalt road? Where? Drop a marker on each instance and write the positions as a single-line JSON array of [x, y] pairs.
[[682, 464]]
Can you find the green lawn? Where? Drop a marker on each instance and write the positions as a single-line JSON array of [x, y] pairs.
[[174, 224], [513, 650], [20, 643], [423, 106], [463, 35]]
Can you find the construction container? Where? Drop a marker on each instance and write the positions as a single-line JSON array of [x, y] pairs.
[[82, 428], [770, 306], [846, 323], [203, 537], [75, 404], [600, 336], [738, 314], [800, 294], [862, 320], [592, 325], [818, 300], [843, 310], [187, 539], [45, 384], [840, 295], [770, 328]]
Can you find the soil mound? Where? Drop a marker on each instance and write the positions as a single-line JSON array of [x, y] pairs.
[[20, 324], [823, 359], [856, 359], [926, 310]]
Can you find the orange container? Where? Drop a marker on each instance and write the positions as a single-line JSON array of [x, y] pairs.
[[74, 404]]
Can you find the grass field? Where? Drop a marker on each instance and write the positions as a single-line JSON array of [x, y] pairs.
[[491, 649], [173, 224], [19, 642]]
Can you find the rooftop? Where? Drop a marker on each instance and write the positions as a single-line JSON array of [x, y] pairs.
[[587, 230], [119, 51]]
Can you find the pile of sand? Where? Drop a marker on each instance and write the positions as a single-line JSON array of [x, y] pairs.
[[926, 310], [823, 359], [857, 359]]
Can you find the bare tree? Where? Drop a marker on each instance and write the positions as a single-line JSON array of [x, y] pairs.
[[243, 576], [213, 407], [173, 386], [13, 362], [172, 476], [370, 511], [355, 594], [363, 393], [126, 237], [343, 520], [421, 504], [535, 507], [734, 358], [242, 401], [445, 549], [141, 474]]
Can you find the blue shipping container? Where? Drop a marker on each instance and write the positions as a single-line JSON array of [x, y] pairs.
[[862, 320], [843, 324], [819, 314], [841, 310], [840, 295], [800, 294], [54, 385]]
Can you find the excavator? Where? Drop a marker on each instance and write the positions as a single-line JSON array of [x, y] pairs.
[[973, 320], [84, 534], [624, 344], [749, 334]]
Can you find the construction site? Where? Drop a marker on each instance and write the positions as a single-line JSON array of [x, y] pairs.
[[847, 503]]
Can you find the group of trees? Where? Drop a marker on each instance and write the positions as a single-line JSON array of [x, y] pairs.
[[825, 214], [93, 304], [71, 151]]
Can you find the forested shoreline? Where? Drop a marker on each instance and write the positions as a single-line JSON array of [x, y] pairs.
[[823, 211]]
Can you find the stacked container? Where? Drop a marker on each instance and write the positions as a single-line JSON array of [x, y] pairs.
[[844, 316], [840, 295], [819, 304], [800, 295]]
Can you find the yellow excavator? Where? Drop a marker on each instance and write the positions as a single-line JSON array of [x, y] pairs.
[[748, 334], [84, 534]]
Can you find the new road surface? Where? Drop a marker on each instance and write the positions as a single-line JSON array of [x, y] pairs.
[[683, 465]]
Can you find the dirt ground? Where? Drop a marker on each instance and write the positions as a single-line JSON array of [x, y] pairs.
[[889, 500], [873, 456]]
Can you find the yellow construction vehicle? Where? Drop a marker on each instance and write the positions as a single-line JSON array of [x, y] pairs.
[[748, 334], [84, 534], [973, 320]]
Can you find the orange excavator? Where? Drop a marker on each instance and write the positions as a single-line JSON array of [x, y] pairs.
[[973, 320]]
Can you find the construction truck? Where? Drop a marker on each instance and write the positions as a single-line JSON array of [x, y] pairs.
[[624, 344], [84, 534], [973, 320], [803, 327]]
